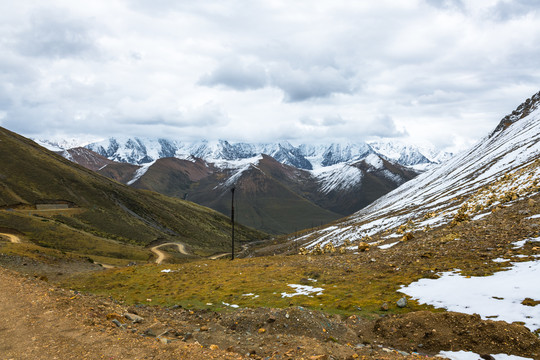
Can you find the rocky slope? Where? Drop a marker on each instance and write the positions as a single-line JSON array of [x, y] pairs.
[[500, 168]]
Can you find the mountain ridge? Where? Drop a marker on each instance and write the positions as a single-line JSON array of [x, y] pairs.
[[139, 150], [500, 168], [61, 204]]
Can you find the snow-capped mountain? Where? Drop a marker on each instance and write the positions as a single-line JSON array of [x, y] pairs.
[[308, 157], [502, 167], [60, 143], [324, 181], [419, 156]]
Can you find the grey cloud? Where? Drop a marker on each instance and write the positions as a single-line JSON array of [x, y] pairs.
[[236, 75], [209, 114], [52, 34], [306, 120], [297, 84], [384, 126], [333, 120], [505, 10], [327, 121], [300, 85], [447, 4]]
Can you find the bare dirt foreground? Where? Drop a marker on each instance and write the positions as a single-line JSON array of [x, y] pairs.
[[42, 322]]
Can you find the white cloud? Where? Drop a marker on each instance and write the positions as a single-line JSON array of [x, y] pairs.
[[440, 70]]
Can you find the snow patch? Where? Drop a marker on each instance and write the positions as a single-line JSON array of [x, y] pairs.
[[374, 161], [337, 177], [521, 243], [303, 290], [477, 294], [388, 246], [140, 172], [467, 355]]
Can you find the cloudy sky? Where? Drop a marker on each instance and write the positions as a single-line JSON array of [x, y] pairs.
[[445, 71]]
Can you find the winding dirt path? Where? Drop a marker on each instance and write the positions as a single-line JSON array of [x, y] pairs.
[[161, 255], [13, 238], [218, 256]]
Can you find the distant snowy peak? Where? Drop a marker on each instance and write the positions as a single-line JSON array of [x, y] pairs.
[[408, 154], [60, 144], [337, 153], [337, 177], [140, 151]]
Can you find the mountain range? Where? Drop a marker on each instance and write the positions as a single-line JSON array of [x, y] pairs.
[[58, 204], [281, 188], [140, 151], [501, 168]]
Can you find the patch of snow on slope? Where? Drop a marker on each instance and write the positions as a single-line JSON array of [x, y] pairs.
[[337, 177], [240, 167], [504, 153], [374, 161], [481, 294], [235, 164], [467, 355], [140, 172], [521, 243], [303, 290], [388, 246]]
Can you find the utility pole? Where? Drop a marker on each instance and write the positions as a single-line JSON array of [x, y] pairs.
[[232, 222]]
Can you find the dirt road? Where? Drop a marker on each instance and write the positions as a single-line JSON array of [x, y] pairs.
[[161, 255], [219, 256], [13, 238]]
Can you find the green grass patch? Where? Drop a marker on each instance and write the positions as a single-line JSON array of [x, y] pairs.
[[256, 282]]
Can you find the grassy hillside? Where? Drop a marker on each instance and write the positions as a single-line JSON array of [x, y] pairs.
[[99, 209]]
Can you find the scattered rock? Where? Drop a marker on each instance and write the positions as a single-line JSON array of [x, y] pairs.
[[401, 303], [530, 302], [157, 330], [214, 347], [408, 236], [384, 306], [113, 316], [164, 340], [117, 323], [363, 246], [204, 328], [262, 330], [134, 318]]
